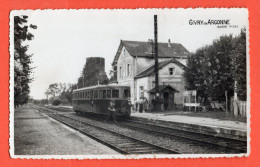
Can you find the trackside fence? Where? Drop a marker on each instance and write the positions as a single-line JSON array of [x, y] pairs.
[[238, 108]]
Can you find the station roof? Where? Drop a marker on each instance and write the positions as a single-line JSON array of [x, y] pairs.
[[150, 70], [144, 49], [162, 88]]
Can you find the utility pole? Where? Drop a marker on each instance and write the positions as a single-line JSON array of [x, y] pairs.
[[156, 66], [156, 58]]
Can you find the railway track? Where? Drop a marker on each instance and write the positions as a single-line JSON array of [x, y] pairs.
[[224, 145], [221, 144], [122, 143]]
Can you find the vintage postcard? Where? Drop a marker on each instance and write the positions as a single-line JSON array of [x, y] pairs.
[[129, 84]]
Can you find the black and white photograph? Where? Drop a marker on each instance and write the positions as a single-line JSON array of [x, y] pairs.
[[129, 83]]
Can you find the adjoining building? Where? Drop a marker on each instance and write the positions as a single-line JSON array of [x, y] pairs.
[[133, 65]]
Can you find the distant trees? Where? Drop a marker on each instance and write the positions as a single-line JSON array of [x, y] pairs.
[[22, 61], [213, 69], [60, 93]]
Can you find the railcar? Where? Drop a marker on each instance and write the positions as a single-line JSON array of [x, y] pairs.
[[96, 99]]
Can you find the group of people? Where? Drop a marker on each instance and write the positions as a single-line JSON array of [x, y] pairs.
[[142, 105]]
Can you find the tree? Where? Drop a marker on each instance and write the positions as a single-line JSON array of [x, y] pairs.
[[195, 74], [219, 76], [54, 89], [22, 61], [61, 92], [213, 69], [66, 94], [239, 65]]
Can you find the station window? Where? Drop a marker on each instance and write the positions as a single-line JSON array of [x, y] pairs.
[[115, 93], [104, 94], [170, 71], [128, 69], [120, 72], [108, 93], [126, 93], [141, 91]]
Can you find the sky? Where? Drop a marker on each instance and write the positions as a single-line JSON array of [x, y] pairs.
[[65, 38]]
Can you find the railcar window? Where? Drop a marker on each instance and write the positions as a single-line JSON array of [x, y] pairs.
[[100, 94], [104, 94], [91, 94], [95, 94], [108, 93], [115, 93], [88, 94], [126, 93]]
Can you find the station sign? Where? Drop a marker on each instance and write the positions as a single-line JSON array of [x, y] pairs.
[[189, 93]]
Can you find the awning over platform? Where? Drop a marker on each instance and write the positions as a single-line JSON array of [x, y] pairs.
[[163, 88]]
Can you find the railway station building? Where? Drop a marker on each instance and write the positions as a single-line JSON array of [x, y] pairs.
[[133, 65]]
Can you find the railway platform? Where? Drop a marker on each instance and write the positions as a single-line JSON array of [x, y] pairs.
[[224, 128], [37, 134], [217, 127]]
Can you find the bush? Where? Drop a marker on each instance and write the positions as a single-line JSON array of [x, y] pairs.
[[56, 102]]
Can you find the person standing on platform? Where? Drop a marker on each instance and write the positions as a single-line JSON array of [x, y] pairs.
[[145, 104], [112, 111], [141, 106]]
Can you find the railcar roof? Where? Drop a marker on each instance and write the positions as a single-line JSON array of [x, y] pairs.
[[102, 86]]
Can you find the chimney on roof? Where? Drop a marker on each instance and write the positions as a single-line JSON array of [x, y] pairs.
[[169, 43]]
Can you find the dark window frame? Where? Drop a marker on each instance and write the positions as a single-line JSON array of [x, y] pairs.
[[113, 94], [104, 94], [109, 95], [128, 92], [171, 70]]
